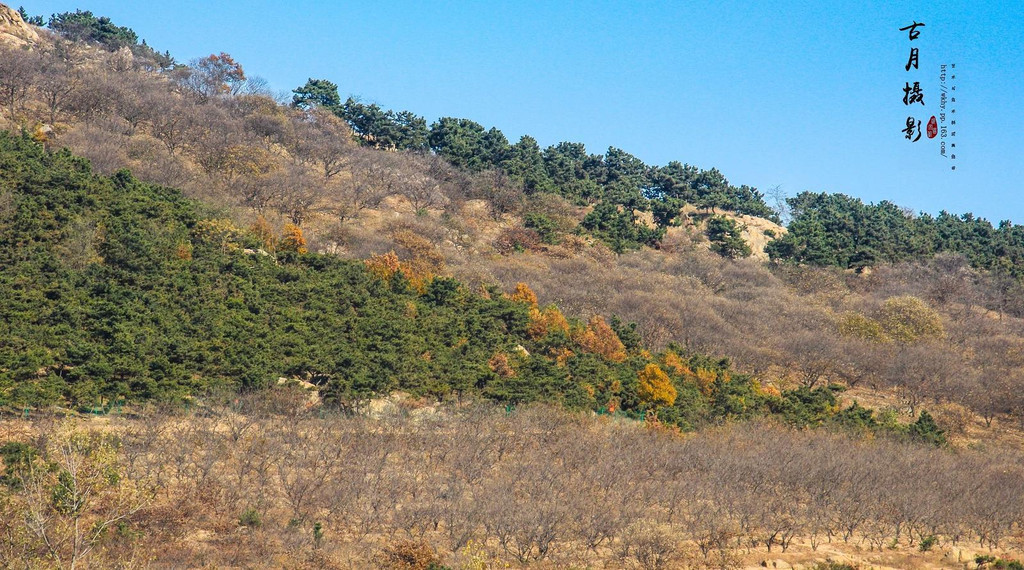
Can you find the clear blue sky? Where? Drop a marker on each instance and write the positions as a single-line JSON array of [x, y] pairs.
[[806, 95]]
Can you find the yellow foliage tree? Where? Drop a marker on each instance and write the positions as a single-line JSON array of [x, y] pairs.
[[655, 386], [543, 321], [705, 380], [909, 319], [562, 355], [855, 324], [72, 497], [262, 231], [675, 364], [599, 338], [244, 160], [220, 232], [523, 294]]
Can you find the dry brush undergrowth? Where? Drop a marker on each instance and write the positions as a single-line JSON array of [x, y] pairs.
[[257, 483]]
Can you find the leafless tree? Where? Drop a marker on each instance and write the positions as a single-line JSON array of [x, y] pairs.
[[322, 139], [18, 70], [372, 177]]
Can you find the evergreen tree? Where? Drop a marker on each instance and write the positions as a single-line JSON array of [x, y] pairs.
[[319, 93]]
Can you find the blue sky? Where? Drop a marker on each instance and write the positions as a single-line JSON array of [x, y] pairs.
[[804, 95]]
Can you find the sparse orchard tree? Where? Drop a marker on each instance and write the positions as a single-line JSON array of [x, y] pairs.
[[300, 192], [73, 502], [215, 75], [59, 76], [372, 177], [322, 139]]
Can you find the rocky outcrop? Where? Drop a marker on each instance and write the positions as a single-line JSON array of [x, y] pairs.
[[13, 30]]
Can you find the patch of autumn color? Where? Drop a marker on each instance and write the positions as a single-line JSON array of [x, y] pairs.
[[562, 355], [220, 72], [536, 328], [675, 364], [645, 354], [589, 390], [543, 321], [908, 319], [423, 256], [767, 389], [292, 239], [523, 294], [657, 426], [500, 365], [599, 338], [220, 232], [40, 134], [655, 387], [183, 251], [460, 342], [427, 356], [244, 160], [410, 310], [417, 282], [383, 266], [705, 380], [261, 230]]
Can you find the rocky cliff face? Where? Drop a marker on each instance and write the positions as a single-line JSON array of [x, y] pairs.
[[14, 30]]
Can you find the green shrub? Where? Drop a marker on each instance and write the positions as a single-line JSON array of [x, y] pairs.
[[545, 227], [250, 518], [17, 458], [927, 543], [318, 535], [726, 238], [927, 431]]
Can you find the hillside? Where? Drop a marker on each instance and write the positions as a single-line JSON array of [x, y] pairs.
[[120, 291]]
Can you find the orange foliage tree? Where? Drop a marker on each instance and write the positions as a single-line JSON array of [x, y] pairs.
[[500, 365], [523, 294], [546, 320], [292, 239], [421, 255], [599, 338], [384, 266], [262, 231], [216, 75], [675, 364]]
